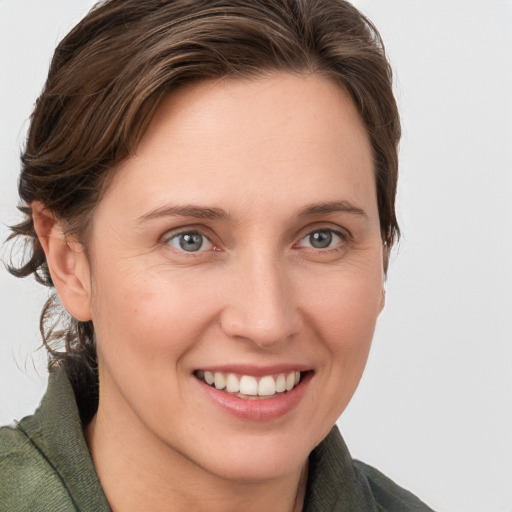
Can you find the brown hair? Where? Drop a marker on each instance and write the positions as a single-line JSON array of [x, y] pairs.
[[110, 72]]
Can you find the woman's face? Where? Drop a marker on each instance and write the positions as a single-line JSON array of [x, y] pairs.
[[240, 244]]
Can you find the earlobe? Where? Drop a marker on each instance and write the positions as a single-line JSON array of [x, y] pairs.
[[385, 259], [383, 299], [67, 263], [386, 249]]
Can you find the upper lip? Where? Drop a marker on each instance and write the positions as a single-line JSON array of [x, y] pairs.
[[255, 370]]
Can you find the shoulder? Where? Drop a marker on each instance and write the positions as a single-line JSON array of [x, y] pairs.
[[29, 482], [388, 495], [338, 483], [45, 464]]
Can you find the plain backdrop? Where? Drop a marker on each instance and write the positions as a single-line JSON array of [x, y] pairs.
[[434, 408]]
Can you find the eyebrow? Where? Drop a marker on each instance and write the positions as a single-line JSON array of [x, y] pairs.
[[201, 212], [198, 212], [332, 207]]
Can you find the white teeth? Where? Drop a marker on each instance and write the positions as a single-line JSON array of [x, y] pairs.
[[280, 383], [248, 385], [220, 381], [290, 381], [267, 386], [232, 383]]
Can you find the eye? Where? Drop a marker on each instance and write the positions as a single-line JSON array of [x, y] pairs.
[[321, 239], [190, 241]]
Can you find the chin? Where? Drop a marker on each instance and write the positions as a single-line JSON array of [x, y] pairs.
[[258, 458]]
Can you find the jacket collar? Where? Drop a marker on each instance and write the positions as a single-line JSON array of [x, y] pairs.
[[56, 431], [333, 484]]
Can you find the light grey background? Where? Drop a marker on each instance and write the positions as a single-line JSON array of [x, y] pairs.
[[434, 409]]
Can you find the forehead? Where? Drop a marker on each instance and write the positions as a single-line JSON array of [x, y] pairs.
[[280, 137]]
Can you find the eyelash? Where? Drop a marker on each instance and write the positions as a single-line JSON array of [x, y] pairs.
[[344, 237], [192, 232]]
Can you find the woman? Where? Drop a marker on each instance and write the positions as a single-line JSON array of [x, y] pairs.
[[209, 186]]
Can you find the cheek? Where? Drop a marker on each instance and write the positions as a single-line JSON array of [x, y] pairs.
[[345, 308], [348, 338], [345, 314], [150, 309]]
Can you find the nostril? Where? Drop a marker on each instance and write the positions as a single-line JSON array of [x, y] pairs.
[[261, 328], [262, 307]]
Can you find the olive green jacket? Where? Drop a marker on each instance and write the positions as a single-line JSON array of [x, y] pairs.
[[45, 466]]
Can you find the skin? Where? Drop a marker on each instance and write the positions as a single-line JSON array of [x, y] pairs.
[[262, 150]]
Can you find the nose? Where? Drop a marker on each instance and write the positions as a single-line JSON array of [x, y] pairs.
[[262, 303]]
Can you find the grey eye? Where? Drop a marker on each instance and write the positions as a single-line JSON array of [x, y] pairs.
[[320, 239], [190, 241]]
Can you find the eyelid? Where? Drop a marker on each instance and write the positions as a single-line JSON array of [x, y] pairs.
[[325, 226]]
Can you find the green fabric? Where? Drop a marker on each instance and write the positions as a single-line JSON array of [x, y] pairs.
[[336, 483], [45, 466]]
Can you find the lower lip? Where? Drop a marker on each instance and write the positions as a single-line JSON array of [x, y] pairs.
[[259, 409]]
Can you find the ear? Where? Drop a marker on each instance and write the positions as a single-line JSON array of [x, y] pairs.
[[386, 249], [382, 298], [67, 262]]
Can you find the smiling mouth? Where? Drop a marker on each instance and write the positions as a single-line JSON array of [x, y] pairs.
[[250, 387]]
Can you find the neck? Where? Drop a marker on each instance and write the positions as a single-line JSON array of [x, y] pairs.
[[138, 471]]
